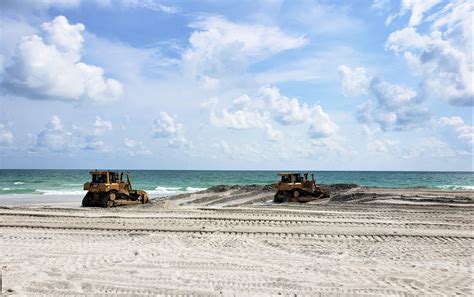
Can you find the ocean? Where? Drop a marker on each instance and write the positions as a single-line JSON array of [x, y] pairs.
[[19, 183]]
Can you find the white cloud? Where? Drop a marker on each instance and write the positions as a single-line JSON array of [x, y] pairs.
[[463, 132], [66, 38], [443, 56], [396, 107], [270, 106], [101, 126], [391, 95], [244, 114], [135, 148], [54, 138], [354, 81], [321, 125], [165, 126], [39, 5], [50, 68], [238, 119], [288, 111], [219, 47], [150, 4], [406, 39], [6, 136], [417, 8]]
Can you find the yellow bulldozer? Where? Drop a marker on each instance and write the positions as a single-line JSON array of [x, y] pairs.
[[108, 189], [295, 187]]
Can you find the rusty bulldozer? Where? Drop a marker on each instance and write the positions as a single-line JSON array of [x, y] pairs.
[[294, 187], [108, 189]]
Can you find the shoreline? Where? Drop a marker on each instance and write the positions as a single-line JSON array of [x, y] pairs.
[[340, 193]]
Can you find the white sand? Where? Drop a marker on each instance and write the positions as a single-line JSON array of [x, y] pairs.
[[207, 248]]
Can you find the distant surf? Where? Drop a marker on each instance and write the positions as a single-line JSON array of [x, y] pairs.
[[162, 183]]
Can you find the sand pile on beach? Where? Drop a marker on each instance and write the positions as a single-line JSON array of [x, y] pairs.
[[232, 240], [258, 195]]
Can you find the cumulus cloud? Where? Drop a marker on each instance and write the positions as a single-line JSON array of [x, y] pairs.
[[50, 67], [150, 4], [219, 47], [442, 55], [54, 137], [269, 106], [390, 95], [463, 132], [165, 126], [396, 107], [135, 147], [354, 81], [6, 136], [416, 8], [101, 126], [242, 115]]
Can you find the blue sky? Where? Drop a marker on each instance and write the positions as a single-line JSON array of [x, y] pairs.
[[321, 85]]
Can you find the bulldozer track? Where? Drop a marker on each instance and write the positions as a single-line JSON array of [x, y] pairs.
[[229, 222], [232, 219], [276, 212], [374, 238]]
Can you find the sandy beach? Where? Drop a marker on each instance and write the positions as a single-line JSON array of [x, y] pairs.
[[233, 240]]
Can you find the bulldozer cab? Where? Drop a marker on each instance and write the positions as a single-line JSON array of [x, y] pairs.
[[99, 177], [291, 177], [102, 177], [105, 177]]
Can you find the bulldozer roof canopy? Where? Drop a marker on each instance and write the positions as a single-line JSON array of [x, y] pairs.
[[101, 172], [288, 173]]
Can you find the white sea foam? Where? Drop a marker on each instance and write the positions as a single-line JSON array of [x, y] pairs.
[[170, 191], [191, 189], [164, 191], [455, 187], [6, 189], [18, 183], [61, 192], [159, 191]]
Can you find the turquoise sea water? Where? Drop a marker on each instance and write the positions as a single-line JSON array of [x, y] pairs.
[[167, 182]]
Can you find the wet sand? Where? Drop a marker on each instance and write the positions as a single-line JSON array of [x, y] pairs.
[[232, 240]]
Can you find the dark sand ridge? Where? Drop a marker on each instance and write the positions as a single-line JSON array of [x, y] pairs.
[[239, 195]]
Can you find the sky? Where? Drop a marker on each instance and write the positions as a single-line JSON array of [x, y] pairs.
[[237, 85]]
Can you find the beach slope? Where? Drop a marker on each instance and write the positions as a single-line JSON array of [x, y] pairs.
[[233, 240]]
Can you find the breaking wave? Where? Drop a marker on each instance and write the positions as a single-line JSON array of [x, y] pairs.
[[170, 191], [61, 192], [455, 187]]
